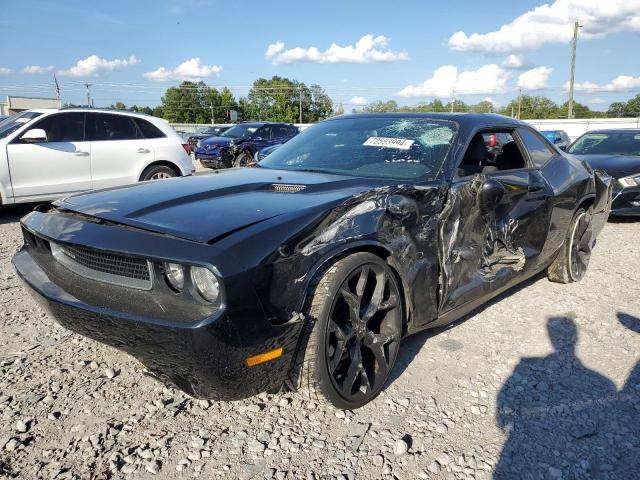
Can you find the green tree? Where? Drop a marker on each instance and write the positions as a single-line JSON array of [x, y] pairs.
[[381, 107], [484, 106], [579, 111], [280, 99], [532, 107], [339, 110], [119, 106], [183, 104], [630, 108]]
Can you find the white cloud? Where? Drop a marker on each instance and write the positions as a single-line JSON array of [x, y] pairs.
[[37, 70], [620, 83], [597, 101], [358, 101], [93, 66], [5, 71], [368, 49], [191, 69], [490, 100], [534, 79], [446, 80], [516, 62], [553, 23]]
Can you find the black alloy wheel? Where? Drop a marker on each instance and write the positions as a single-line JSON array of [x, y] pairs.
[[242, 160], [354, 340], [580, 247], [363, 332]]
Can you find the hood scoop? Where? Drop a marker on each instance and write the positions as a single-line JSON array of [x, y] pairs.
[[287, 187]]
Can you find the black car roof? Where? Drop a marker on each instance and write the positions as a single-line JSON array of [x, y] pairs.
[[466, 119]]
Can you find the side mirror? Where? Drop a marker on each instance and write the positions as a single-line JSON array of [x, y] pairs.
[[490, 195], [563, 147], [34, 135]]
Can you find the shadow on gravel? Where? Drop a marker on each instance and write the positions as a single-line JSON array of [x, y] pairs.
[[412, 345], [13, 213], [565, 421]]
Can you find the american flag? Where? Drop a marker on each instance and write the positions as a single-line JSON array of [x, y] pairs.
[[57, 86]]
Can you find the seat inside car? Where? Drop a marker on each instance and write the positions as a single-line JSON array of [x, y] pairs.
[[510, 158], [475, 159]]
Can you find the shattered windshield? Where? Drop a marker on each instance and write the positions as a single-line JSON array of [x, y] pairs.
[[385, 147], [14, 122]]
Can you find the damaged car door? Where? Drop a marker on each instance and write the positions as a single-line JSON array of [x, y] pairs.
[[494, 223]]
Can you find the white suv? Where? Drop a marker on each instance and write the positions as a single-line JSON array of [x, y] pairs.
[[46, 154]]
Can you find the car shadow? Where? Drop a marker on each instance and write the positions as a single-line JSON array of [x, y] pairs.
[[623, 219], [13, 213], [412, 345], [564, 420]]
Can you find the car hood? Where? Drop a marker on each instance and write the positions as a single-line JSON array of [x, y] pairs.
[[208, 207], [219, 141], [617, 166]]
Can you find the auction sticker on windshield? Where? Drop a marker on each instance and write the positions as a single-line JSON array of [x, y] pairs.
[[388, 142]]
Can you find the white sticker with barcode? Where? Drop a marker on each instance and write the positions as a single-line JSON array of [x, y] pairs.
[[389, 142]]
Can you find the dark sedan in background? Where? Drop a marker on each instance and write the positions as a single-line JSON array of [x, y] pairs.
[[237, 146], [309, 269], [205, 132], [618, 153]]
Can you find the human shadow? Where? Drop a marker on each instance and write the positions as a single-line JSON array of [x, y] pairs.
[[565, 421]]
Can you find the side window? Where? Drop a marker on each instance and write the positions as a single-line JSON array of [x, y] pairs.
[[63, 127], [281, 131], [539, 152], [105, 126], [149, 130], [265, 133]]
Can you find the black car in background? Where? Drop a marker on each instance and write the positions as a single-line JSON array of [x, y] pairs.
[[558, 137], [237, 146], [309, 269], [205, 132], [618, 153]]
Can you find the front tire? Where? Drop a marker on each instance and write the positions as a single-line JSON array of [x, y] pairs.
[[157, 172], [242, 160], [571, 263], [354, 336]]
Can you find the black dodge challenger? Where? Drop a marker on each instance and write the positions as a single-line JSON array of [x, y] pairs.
[[310, 268]]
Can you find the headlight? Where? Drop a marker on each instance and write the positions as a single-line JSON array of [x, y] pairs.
[[174, 273], [206, 283], [631, 181], [211, 146], [199, 144]]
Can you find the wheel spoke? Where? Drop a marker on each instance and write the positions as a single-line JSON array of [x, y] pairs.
[[352, 301], [342, 339], [362, 280], [353, 372]]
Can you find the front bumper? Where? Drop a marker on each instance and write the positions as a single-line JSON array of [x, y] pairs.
[[626, 202], [219, 157], [205, 358]]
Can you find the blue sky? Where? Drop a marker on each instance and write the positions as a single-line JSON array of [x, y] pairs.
[[415, 55]]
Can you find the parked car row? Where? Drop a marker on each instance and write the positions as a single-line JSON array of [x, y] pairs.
[[238, 146], [49, 153]]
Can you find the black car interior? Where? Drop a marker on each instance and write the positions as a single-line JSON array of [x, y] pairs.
[[477, 159]]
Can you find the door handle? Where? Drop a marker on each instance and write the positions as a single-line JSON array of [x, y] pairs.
[[143, 150], [80, 153]]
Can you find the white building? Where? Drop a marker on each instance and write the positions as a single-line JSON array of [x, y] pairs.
[[20, 104]]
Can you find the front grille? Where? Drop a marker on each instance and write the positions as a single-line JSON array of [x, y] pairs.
[[287, 188], [105, 267]]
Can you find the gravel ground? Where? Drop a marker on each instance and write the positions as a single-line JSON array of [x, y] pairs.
[[537, 384]]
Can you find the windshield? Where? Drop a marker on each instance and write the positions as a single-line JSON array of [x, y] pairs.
[[205, 131], [14, 122], [240, 131], [398, 148], [619, 143]]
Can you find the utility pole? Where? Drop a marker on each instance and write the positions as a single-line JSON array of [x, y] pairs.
[[87, 85], [213, 119], [576, 26], [519, 102], [453, 99], [300, 104]]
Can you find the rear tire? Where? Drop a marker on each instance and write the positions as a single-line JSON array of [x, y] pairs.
[[157, 172], [571, 263], [353, 336]]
